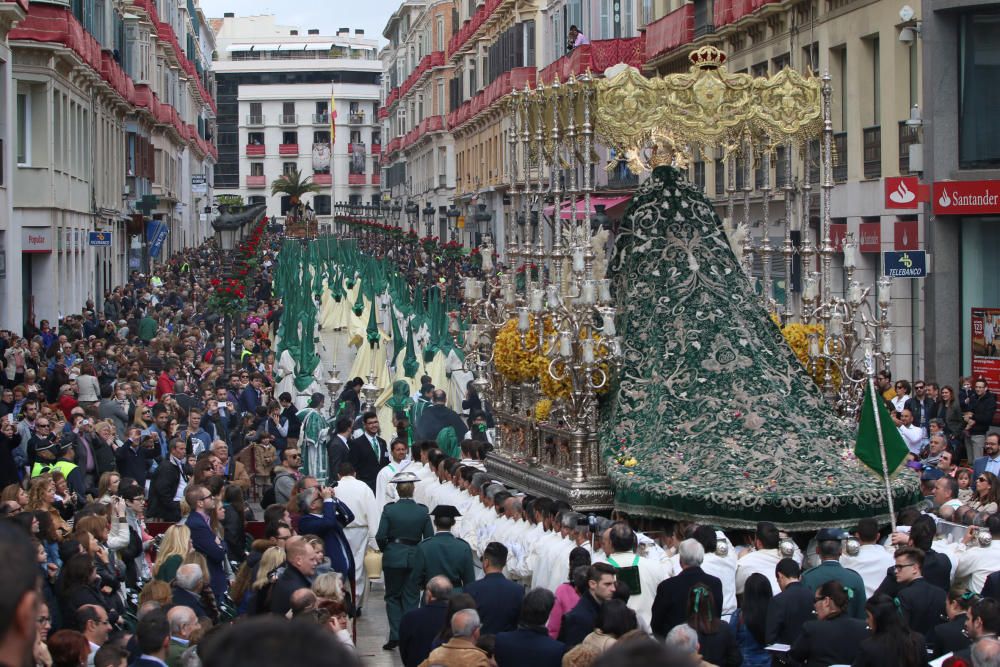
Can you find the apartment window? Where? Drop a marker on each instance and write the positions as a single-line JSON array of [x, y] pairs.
[[355, 137], [288, 112], [720, 176], [876, 87], [322, 108], [289, 167], [256, 168], [760, 69], [781, 62], [255, 138], [699, 174], [810, 58], [440, 101], [23, 129], [439, 37], [256, 200], [354, 200], [979, 96], [256, 114], [321, 137], [289, 137], [321, 204]]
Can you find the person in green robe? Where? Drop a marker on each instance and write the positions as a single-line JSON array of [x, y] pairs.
[[312, 444]]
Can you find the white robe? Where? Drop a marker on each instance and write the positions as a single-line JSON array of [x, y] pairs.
[[360, 533], [385, 492]]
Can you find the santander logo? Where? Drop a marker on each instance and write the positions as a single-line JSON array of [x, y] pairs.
[[902, 194], [944, 201]]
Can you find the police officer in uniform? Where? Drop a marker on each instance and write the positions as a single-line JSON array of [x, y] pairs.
[[47, 463], [403, 525], [829, 546], [443, 554]]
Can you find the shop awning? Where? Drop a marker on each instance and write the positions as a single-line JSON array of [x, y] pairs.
[[266, 47], [239, 47], [319, 46], [567, 208]]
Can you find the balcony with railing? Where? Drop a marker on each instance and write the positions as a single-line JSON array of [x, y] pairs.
[[376, 149], [908, 136], [288, 149], [255, 150], [596, 57], [728, 12], [840, 157], [289, 119], [464, 35], [256, 181], [872, 151], [321, 119], [376, 179], [322, 178], [255, 121], [357, 118], [673, 30], [357, 179], [504, 84]]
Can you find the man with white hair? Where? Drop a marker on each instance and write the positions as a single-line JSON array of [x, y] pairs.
[[684, 639], [187, 588], [986, 653], [670, 605], [461, 649], [183, 623]]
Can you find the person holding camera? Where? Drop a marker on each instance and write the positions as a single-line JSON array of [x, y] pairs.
[[325, 516]]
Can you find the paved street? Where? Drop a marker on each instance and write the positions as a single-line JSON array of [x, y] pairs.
[[372, 633]]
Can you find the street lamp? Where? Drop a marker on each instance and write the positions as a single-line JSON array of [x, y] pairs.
[[230, 228], [428, 217], [412, 209], [483, 218]]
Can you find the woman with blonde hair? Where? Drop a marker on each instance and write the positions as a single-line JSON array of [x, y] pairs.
[[264, 582], [15, 493], [107, 485], [42, 498], [173, 550], [329, 586]]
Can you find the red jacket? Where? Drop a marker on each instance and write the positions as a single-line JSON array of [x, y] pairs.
[[66, 404], [164, 385]]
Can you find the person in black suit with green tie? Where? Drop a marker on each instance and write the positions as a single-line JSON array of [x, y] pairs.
[[835, 638], [369, 453], [790, 608]]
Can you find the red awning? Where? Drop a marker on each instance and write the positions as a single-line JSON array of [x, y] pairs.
[[608, 202]]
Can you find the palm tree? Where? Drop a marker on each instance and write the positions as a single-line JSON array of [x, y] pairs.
[[294, 186]]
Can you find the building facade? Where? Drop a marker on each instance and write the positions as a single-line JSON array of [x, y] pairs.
[[10, 234], [419, 158], [961, 155], [293, 99], [111, 118]]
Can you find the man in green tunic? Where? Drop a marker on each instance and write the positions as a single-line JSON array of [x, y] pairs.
[[443, 553], [829, 546], [311, 442], [403, 525]]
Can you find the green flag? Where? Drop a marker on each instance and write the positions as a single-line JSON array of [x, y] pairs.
[[867, 447]]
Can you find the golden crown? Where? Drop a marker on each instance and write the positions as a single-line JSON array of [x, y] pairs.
[[707, 57]]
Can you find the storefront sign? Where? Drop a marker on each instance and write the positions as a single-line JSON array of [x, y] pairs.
[[36, 239], [99, 239], [966, 197], [905, 235], [910, 264], [902, 192], [870, 237], [985, 352]]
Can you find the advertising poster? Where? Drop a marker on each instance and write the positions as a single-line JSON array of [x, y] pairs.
[[986, 347]]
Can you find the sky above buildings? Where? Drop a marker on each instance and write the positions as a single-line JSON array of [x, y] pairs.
[[327, 15]]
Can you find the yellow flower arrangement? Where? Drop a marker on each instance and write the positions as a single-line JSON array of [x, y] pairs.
[[797, 336], [543, 409]]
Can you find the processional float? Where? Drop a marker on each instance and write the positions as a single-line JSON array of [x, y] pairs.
[[645, 372]]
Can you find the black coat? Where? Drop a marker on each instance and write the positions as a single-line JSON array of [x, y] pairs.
[[498, 600], [948, 637], [923, 605], [787, 612], [877, 652], [366, 464], [528, 646], [185, 598], [983, 408], [670, 603], [135, 463], [991, 589], [579, 621], [831, 642], [417, 630], [8, 468], [720, 648], [290, 581], [162, 490], [936, 570], [337, 452]]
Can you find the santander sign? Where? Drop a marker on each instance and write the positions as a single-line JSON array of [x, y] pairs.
[[966, 197]]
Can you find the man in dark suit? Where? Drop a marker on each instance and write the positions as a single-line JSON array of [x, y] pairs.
[[790, 608], [670, 604], [187, 588], [419, 626], [530, 644], [498, 599], [369, 453], [937, 566], [163, 489], [301, 565], [581, 619], [338, 446], [922, 604], [322, 514], [252, 397], [135, 457], [204, 540], [991, 451], [153, 637]]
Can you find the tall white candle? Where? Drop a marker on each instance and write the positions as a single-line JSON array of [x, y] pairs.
[[537, 300], [578, 263], [522, 319], [587, 345], [609, 324], [587, 295], [566, 344], [604, 290]]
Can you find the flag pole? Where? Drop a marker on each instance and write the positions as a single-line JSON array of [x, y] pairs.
[[881, 448]]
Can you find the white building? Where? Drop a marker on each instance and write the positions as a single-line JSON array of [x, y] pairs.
[[276, 86], [106, 108]]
